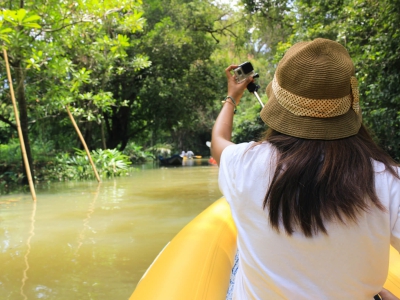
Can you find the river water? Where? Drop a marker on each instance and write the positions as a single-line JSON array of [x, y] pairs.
[[86, 240]]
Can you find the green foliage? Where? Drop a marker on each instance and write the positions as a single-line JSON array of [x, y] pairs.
[[179, 51], [370, 30], [248, 125], [4, 33], [376, 47], [109, 163], [127, 70], [68, 50], [10, 182], [136, 154], [173, 98], [10, 167], [10, 153], [161, 149], [20, 18]]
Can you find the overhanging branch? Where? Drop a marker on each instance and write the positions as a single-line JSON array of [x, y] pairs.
[[7, 121]]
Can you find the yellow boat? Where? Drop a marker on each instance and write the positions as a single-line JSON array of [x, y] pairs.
[[197, 263]]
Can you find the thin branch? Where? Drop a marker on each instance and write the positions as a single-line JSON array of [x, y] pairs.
[[108, 12], [41, 31], [44, 118], [213, 32], [111, 11], [67, 25], [213, 36], [7, 121], [231, 32]]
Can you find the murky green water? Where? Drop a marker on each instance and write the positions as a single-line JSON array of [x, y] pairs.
[[90, 241]]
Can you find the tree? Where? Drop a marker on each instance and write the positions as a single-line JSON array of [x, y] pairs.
[[63, 52], [373, 38], [123, 78], [370, 31], [170, 99], [21, 22]]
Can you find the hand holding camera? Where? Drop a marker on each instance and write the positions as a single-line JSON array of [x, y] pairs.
[[243, 71], [242, 74], [235, 89]]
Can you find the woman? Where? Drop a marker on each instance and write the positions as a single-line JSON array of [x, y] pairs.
[[316, 203]]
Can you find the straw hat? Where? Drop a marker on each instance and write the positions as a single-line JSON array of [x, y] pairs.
[[314, 94]]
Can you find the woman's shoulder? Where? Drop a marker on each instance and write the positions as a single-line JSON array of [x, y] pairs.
[[384, 176], [252, 147], [246, 153], [380, 167]]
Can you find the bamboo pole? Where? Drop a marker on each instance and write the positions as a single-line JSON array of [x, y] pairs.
[[83, 142], [21, 138]]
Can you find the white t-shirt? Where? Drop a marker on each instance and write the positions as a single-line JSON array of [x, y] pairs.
[[351, 262]]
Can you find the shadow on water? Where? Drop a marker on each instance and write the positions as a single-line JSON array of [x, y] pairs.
[[81, 240]]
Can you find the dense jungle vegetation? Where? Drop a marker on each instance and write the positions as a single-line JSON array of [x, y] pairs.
[[147, 77]]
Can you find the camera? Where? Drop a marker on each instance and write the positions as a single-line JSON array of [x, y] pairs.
[[243, 71]]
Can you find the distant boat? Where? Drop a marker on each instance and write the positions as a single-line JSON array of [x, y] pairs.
[[174, 160]]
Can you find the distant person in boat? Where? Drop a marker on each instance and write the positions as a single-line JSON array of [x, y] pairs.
[[189, 154], [316, 202]]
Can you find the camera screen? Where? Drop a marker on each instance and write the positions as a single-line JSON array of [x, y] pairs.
[[247, 67]]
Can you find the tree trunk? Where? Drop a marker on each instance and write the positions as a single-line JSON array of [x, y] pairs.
[[88, 134], [103, 135], [23, 116], [118, 135]]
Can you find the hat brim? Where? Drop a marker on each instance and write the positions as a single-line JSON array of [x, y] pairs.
[[280, 119]]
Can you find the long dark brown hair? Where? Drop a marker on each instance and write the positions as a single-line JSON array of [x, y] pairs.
[[318, 181]]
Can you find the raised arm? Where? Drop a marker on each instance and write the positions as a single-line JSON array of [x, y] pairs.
[[222, 130]]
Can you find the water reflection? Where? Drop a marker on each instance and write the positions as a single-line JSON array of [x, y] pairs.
[[90, 241], [28, 250], [193, 162], [86, 220]]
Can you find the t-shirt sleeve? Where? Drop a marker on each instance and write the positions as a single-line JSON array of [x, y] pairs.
[[226, 170], [229, 164], [395, 214]]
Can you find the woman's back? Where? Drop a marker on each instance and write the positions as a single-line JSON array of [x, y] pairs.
[[348, 262], [316, 204]]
